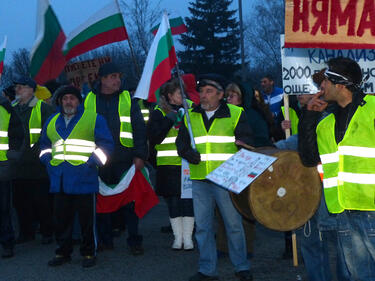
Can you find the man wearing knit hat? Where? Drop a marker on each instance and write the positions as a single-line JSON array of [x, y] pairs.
[[73, 144], [128, 130], [30, 183]]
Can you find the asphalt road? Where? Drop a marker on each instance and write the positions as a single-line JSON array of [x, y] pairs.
[[158, 263]]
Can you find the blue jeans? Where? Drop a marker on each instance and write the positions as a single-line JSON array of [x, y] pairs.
[[356, 233], [205, 194], [314, 250]]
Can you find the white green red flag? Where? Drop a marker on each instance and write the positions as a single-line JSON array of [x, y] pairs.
[[104, 27], [47, 59], [2, 54], [161, 59], [177, 26], [133, 187]]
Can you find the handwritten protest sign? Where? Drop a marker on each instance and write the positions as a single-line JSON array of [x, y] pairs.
[[300, 64], [330, 24], [240, 170], [84, 71]]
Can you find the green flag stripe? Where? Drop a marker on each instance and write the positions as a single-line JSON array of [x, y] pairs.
[[164, 46], [172, 22], [2, 54], [48, 41], [101, 26]]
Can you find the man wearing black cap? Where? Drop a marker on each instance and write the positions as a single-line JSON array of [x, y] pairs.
[[344, 142], [128, 129], [11, 139], [31, 198], [73, 144], [216, 127]]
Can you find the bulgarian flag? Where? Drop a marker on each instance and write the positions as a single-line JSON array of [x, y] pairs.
[[161, 59], [104, 27], [47, 59], [2, 54], [134, 186], [177, 26]]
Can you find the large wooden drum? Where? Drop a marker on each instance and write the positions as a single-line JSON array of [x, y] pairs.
[[285, 196]]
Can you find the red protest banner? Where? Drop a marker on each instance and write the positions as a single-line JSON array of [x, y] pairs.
[[330, 24]]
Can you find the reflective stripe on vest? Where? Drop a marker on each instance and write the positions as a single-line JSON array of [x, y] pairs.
[[124, 109], [79, 145], [349, 167], [145, 112], [4, 126], [166, 151], [293, 117], [35, 123], [215, 146]]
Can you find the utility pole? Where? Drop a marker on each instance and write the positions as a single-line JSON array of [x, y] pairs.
[[242, 42]]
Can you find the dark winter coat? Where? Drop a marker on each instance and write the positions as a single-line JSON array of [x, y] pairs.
[[307, 144], [122, 157], [16, 137], [29, 165], [168, 177]]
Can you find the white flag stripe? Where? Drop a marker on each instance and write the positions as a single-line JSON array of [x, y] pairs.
[[167, 153], [48, 150], [41, 11], [3, 134], [357, 178], [359, 151], [126, 119], [214, 139], [169, 140], [121, 186], [101, 155], [105, 12], [4, 44], [330, 182], [329, 158], [216, 156], [144, 84]]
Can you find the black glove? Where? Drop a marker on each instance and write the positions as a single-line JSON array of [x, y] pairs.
[[193, 156]]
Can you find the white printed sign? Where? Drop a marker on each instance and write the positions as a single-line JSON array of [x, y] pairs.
[[300, 64], [186, 183], [240, 170]]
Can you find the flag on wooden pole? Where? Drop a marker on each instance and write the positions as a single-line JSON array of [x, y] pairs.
[[161, 59], [47, 59], [2, 54], [104, 27], [177, 26]]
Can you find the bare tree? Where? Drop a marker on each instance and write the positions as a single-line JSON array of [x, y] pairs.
[[262, 33], [21, 62], [144, 16]]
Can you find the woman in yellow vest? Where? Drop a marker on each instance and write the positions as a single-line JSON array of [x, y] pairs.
[[162, 130]]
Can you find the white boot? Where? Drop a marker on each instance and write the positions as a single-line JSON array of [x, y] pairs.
[[176, 224], [188, 227]]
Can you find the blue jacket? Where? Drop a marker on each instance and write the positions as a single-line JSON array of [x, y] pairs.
[[81, 179]]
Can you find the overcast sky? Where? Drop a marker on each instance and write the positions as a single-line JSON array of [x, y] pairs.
[[18, 17]]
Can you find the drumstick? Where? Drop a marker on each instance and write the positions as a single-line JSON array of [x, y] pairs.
[[241, 143], [294, 246]]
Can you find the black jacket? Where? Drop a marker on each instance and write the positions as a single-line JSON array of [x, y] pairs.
[[122, 157], [16, 136], [29, 165], [242, 131], [307, 144]]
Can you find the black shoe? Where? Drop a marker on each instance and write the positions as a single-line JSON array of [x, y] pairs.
[[136, 250], [202, 277], [7, 253], [88, 261], [59, 260], [24, 239], [46, 240], [244, 275], [166, 229]]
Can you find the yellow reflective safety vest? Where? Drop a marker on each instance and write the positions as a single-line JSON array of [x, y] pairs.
[[166, 151], [124, 109], [215, 146], [80, 143], [349, 166], [145, 111], [35, 123], [4, 126], [293, 119]]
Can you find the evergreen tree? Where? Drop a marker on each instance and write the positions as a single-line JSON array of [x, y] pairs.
[[212, 41]]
